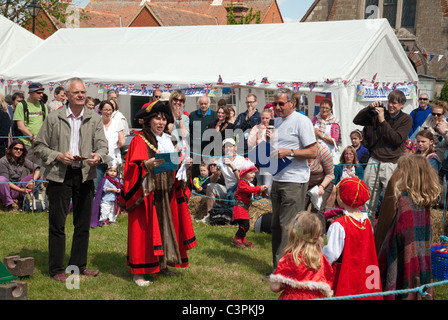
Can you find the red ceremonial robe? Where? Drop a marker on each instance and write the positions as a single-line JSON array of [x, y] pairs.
[[358, 273], [160, 230]]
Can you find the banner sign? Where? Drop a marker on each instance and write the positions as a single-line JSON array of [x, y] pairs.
[[380, 92], [145, 91]]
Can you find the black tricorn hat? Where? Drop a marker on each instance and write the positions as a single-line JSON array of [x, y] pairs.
[[155, 108]]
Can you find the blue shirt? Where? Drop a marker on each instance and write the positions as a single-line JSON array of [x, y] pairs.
[[108, 196], [419, 118]]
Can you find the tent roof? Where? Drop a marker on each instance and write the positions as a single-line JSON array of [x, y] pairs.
[[15, 42], [289, 52]]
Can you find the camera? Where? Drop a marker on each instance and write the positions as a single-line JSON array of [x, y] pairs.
[[373, 113]]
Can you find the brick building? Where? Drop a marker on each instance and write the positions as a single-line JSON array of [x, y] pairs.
[[420, 25], [154, 13]]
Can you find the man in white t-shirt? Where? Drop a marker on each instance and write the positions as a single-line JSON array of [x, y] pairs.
[[294, 139], [228, 166]]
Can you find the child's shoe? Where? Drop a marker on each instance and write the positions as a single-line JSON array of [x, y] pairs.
[[237, 243], [247, 244]]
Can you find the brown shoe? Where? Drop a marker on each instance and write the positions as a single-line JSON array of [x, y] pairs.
[[92, 273], [60, 277]]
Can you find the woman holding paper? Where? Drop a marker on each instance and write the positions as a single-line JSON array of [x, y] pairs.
[[160, 230], [321, 181]]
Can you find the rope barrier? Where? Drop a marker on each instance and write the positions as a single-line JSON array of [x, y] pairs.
[[19, 182], [421, 290]]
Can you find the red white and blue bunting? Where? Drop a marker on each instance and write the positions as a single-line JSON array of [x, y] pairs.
[[212, 89]]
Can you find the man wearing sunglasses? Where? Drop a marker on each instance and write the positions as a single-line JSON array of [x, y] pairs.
[[388, 129], [420, 113], [295, 140]]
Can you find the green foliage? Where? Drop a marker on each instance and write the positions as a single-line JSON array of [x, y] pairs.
[[444, 92], [246, 19], [17, 12]]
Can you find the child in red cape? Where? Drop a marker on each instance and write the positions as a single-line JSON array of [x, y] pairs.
[[303, 272], [350, 244]]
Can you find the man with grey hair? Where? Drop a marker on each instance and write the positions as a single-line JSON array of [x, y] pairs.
[[294, 139], [199, 121], [71, 143]]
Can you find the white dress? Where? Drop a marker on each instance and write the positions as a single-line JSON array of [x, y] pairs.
[[112, 138]]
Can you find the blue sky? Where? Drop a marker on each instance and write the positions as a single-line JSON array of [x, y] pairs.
[[294, 10]]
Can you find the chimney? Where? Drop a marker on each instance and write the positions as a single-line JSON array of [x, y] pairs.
[[239, 8]]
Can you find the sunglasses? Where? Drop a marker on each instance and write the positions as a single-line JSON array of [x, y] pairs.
[[436, 114], [281, 104], [178, 100], [18, 149], [423, 99]]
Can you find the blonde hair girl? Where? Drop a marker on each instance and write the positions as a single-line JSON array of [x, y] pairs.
[[303, 272], [418, 180], [305, 243]]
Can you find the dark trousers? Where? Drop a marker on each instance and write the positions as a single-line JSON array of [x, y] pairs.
[[59, 196], [243, 227], [288, 199]]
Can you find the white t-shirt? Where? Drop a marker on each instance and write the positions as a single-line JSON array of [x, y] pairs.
[[112, 138], [226, 171], [119, 116], [294, 132]]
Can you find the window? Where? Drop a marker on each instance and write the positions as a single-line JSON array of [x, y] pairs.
[[399, 13], [390, 12], [409, 13]]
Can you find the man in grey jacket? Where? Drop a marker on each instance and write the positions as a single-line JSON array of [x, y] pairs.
[[70, 143]]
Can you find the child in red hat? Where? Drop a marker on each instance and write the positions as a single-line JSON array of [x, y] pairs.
[[243, 198], [350, 244]]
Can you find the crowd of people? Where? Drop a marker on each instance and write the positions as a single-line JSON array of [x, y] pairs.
[[389, 177]]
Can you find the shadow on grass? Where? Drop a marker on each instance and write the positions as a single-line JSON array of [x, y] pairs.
[[40, 259], [112, 263], [106, 262], [241, 256]]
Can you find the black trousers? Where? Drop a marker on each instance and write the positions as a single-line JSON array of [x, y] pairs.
[[59, 196], [243, 227]]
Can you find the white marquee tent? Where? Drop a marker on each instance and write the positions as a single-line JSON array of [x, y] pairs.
[[322, 56], [15, 42]]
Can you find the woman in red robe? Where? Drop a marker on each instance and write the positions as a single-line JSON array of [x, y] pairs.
[[160, 230]]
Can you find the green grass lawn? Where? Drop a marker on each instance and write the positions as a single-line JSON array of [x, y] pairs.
[[217, 271]]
